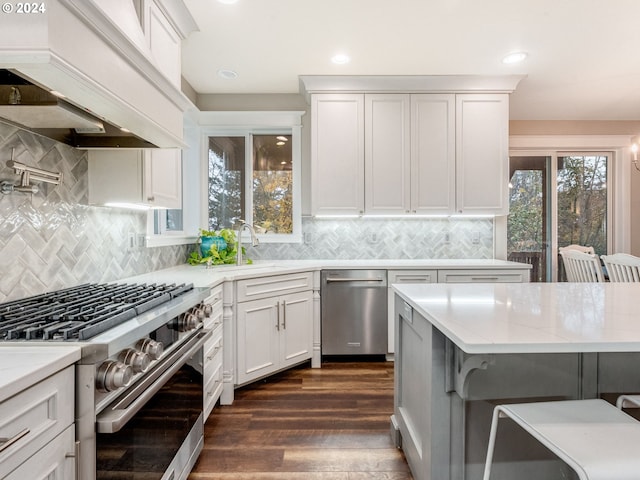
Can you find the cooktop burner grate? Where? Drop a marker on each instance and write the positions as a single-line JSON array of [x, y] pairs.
[[82, 312]]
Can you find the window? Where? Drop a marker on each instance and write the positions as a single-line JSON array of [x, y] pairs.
[[253, 177]]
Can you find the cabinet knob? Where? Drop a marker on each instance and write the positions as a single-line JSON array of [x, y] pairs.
[[151, 199]]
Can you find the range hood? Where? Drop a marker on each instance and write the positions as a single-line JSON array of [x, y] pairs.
[[30, 107], [104, 73]]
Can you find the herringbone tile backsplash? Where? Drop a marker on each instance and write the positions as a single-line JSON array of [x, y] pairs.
[[362, 238], [53, 239]]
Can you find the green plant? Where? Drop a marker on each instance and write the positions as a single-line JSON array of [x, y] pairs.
[[218, 256]]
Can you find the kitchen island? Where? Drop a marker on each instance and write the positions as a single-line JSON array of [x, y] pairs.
[[462, 349]]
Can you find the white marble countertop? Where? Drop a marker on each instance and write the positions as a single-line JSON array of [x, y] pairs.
[[532, 317], [22, 366], [201, 276]]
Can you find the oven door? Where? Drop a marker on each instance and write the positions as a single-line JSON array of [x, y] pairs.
[[155, 430]]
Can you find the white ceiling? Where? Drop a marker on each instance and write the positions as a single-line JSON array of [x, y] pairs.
[[583, 63]]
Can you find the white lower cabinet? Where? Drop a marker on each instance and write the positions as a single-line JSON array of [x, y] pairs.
[[38, 433], [484, 275], [213, 354], [55, 461], [272, 334], [403, 276]]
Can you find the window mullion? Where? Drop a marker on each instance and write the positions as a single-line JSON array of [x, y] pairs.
[[248, 184]]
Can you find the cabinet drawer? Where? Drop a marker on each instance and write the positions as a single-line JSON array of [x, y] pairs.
[[212, 354], [213, 390], [53, 462], [34, 417], [215, 301], [482, 276], [412, 276], [263, 287]]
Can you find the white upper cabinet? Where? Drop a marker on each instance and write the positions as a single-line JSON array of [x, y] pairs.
[[337, 154], [163, 42], [424, 154], [433, 154], [131, 176], [482, 154], [387, 161], [163, 177], [409, 154]]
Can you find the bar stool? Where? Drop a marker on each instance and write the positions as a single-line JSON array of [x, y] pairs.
[[593, 437]]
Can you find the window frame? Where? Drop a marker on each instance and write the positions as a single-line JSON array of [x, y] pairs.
[[247, 124], [198, 127]]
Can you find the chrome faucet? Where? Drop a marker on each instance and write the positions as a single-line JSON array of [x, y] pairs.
[[254, 239]]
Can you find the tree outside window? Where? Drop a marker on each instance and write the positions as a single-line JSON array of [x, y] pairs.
[[270, 200]]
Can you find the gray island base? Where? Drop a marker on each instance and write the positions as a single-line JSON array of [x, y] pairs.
[[463, 349]]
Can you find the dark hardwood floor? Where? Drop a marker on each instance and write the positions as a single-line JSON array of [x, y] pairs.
[[319, 424]]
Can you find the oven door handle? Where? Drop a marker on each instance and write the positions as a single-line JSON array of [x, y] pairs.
[[113, 418]]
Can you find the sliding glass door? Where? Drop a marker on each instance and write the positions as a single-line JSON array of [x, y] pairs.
[[557, 200]]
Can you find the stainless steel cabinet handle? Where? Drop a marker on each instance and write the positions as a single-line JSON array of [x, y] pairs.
[[278, 316], [76, 459], [284, 314], [7, 442], [338, 279], [483, 279]]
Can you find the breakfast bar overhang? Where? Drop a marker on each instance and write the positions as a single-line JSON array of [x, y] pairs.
[[462, 349]]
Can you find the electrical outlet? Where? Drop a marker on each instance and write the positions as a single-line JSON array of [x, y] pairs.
[[475, 238], [140, 240], [447, 238], [373, 237], [131, 240]]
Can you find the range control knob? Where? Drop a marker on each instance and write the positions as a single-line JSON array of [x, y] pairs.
[[208, 309], [188, 321], [199, 312], [139, 361], [152, 348], [112, 375]]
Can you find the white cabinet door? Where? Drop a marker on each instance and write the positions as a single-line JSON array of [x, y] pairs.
[[296, 328], [163, 177], [164, 43], [387, 158], [258, 339], [337, 154], [482, 153], [433, 154], [273, 333], [147, 177]]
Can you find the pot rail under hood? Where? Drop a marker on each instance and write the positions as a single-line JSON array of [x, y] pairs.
[[28, 106]]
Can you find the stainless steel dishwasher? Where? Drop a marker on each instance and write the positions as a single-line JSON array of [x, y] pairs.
[[354, 312]]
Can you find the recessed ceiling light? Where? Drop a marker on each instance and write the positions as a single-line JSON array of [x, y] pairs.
[[514, 57], [227, 74], [340, 59], [57, 94], [228, 2]]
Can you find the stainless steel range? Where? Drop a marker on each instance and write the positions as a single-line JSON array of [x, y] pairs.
[[139, 385]]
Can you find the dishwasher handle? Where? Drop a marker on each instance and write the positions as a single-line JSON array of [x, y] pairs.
[[340, 279]]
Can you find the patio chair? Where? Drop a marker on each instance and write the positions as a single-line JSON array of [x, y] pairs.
[[622, 267], [582, 267]]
